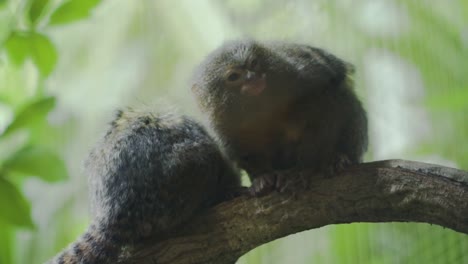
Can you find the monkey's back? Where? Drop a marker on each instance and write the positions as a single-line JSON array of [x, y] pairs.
[[151, 171], [148, 174]]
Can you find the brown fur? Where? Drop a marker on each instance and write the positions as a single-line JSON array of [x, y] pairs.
[[306, 119]]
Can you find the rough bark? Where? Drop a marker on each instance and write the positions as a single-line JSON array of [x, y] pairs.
[[383, 191]]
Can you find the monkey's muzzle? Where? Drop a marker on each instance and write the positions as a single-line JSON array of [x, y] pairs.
[[254, 84]]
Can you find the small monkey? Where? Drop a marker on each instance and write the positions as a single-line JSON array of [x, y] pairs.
[[282, 109]]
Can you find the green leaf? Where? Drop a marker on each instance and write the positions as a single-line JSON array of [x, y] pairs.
[[36, 9], [7, 244], [17, 47], [32, 115], [14, 206], [11, 144], [23, 45], [43, 54], [72, 10], [40, 162]]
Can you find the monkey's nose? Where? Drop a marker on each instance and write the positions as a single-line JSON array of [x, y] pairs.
[[250, 75], [254, 84]]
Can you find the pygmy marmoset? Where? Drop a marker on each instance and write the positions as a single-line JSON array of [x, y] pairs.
[[150, 173], [282, 109]]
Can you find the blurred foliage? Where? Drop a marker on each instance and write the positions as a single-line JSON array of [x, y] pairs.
[[49, 64], [32, 45], [25, 149]]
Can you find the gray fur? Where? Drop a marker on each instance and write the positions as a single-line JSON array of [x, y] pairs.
[[149, 173]]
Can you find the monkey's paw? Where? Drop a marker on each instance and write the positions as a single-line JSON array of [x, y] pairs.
[[280, 181], [339, 163], [263, 184], [235, 192]]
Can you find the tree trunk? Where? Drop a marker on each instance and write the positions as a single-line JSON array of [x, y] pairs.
[[383, 191]]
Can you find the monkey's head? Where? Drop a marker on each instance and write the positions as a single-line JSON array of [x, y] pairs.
[[247, 78], [241, 76]]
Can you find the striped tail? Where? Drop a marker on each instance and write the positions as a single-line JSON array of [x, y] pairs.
[[97, 245]]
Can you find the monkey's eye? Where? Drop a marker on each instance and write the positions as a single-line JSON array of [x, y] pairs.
[[234, 76]]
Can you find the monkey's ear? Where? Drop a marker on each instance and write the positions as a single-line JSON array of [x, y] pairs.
[[349, 77], [350, 69], [118, 113], [117, 116], [337, 69], [201, 100]]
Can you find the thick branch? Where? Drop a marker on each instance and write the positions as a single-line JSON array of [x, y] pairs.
[[383, 191]]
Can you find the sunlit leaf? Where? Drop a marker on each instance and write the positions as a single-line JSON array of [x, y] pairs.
[[36, 9], [73, 10], [17, 47], [32, 114], [14, 206], [43, 54], [22, 45], [36, 161]]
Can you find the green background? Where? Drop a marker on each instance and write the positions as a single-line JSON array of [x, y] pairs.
[[66, 65]]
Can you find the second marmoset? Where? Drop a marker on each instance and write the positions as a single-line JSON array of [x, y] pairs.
[[150, 173], [281, 109]]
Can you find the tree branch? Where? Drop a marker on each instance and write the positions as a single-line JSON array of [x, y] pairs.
[[383, 191]]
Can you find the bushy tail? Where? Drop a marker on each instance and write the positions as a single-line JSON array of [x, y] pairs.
[[97, 245]]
